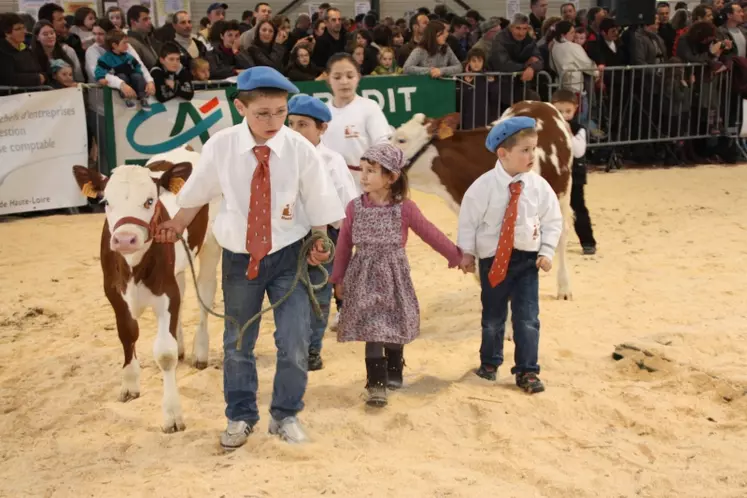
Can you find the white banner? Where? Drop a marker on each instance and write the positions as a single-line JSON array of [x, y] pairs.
[[42, 136], [141, 134]]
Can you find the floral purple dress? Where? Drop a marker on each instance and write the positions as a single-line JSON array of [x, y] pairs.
[[379, 299]]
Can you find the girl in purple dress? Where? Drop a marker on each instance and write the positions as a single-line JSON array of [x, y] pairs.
[[380, 304]]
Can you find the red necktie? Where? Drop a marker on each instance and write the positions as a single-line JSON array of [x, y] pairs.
[[259, 227], [506, 243]]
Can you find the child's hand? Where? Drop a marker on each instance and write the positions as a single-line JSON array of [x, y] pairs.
[[150, 89], [317, 255], [170, 84], [127, 91], [168, 231], [468, 264], [544, 262], [338, 292]]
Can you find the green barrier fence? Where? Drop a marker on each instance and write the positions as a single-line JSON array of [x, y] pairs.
[[132, 136]]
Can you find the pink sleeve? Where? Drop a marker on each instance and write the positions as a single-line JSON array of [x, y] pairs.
[[431, 235], [344, 248]]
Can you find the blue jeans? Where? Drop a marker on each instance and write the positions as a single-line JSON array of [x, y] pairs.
[[324, 297], [136, 82], [522, 286], [243, 299]]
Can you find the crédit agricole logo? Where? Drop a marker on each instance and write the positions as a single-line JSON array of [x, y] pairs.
[[204, 118]]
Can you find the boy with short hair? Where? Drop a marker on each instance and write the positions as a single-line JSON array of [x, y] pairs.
[[510, 219], [170, 78], [275, 191], [565, 102], [309, 117], [118, 62]]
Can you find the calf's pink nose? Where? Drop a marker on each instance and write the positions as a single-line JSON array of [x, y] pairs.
[[124, 241]]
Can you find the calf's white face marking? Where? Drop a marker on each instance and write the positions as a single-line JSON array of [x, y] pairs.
[[130, 192]]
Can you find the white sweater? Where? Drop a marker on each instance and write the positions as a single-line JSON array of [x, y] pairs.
[[571, 57]]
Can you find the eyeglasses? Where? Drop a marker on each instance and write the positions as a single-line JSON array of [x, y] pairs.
[[267, 116]]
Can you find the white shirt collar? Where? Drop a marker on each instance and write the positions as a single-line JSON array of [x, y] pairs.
[[504, 179], [276, 143]]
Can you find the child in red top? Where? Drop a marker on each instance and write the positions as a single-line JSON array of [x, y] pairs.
[[380, 304]]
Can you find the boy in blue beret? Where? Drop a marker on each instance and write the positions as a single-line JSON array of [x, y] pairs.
[[275, 191], [309, 116], [510, 219]]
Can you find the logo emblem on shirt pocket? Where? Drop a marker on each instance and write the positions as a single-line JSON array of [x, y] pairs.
[[287, 213], [350, 132]]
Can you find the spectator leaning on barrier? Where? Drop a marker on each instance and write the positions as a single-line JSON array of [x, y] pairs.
[[170, 77], [117, 61], [94, 53], [46, 48], [514, 51], [189, 45], [18, 66], [433, 56], [62, 74], [225, 58], [387, 63], [140, 35]]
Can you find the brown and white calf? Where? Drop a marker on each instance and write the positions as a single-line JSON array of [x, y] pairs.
[[140, 274], [445, 161]]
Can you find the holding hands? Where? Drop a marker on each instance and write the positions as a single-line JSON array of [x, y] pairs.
[[468, 264]]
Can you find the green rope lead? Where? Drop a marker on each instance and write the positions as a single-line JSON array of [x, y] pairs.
[[302, 275]]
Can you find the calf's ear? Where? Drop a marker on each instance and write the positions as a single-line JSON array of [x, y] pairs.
[[91, 183], [174, 178], [445, 126]]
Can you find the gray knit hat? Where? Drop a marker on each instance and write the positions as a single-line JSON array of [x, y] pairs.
[[387, 155]]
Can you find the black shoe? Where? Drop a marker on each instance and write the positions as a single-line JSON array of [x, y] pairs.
[[376, 382], [530, 383], [395, 364], [589, 250], [315, 361], [487, 372]]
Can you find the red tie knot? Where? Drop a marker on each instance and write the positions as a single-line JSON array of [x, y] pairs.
[[515, 188], [262, 153]]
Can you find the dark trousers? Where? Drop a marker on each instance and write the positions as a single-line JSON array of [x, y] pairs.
[[136, 81], [521, 285], [581, 218]]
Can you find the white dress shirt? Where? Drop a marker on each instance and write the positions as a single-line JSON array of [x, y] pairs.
[[302, 193], [342, 179], [539, 222], [578, 143]]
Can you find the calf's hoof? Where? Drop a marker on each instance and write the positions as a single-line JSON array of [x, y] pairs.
[[200, 365], [565, 296], [126, 395], [181, 356], [173, 424]]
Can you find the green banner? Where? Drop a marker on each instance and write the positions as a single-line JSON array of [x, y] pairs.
[[399, 96], [133, 136]]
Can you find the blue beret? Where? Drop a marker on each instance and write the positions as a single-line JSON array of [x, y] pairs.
[[505, 128], [305, 105], [264, 77]]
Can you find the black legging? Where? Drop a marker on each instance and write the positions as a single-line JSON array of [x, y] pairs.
[[375, 350]]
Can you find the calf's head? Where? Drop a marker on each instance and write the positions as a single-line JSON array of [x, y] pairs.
[[419, 132], [131, 196]]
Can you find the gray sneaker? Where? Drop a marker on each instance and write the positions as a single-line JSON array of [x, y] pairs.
[[289, 429], [235, 435]]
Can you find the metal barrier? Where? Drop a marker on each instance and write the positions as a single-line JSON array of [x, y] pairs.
[[14, 90], [482, 97]]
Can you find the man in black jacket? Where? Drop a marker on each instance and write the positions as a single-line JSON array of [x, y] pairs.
[[332, 41]]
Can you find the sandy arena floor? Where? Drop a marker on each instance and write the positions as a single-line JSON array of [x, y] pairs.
[[668, 278]]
